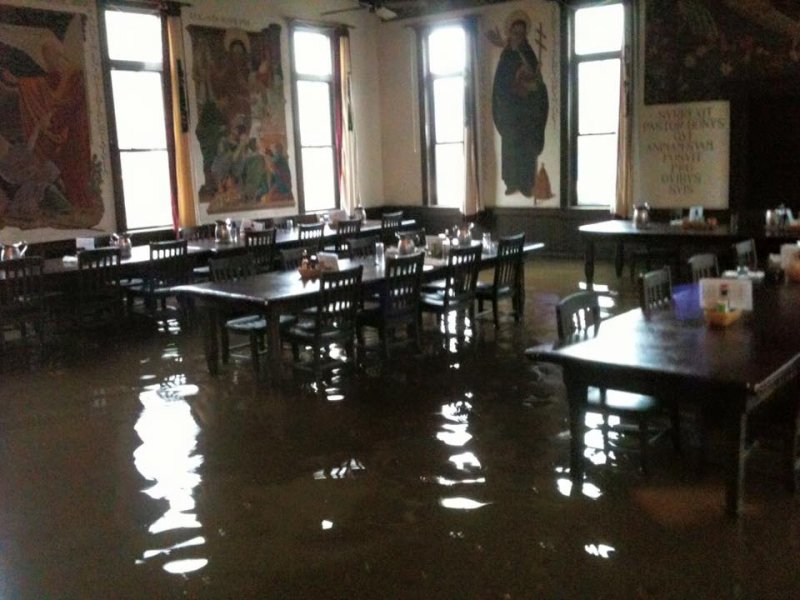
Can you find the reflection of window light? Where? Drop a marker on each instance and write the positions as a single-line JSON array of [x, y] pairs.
[[451, 482], [601, 550], [456, 436], [564, 486], [189, 565], [461, 503], [465, 461], [327, 524]]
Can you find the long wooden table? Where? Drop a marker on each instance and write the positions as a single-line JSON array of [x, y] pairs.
[[675, 353], [620, 232], [284, 292]]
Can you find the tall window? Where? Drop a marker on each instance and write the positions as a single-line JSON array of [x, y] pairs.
[[314, 96], [596, 58], [444, 54], [134, 51]]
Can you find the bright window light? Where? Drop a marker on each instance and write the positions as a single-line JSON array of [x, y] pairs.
[[599, 29], [312, 53], [448, 50], [133, 36]]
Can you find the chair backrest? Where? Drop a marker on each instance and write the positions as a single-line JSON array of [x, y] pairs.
[[400, 291], [261, 245], [703, 265], [655, 290], [292, 257], [98, 270], [197, 232], [508, 268], [390, 224], [339, 299], [362, 247], [745, 254], [231, 268], [309, 219], [20, 284], [311, 231], [346, 229], [577, 317], [462, 273], [169, 263]]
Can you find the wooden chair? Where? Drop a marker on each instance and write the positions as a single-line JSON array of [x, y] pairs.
[[253, 326], [345, 230], [197, 233], [398, 301], [390, 225], [655, 290], [362, 247], [21, 300], [261, 246], [168, 266], [311, 232], [460, 280], [703, 265], [508, 278], [292, 257], [310, 219], [744, 254], [333, 321], [100, 296], [578, 318]]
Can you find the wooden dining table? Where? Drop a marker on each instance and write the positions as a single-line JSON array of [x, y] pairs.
[[619, 232], [285, 292], [675, 355]]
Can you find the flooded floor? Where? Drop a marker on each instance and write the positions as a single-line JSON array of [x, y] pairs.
[[126, 471]]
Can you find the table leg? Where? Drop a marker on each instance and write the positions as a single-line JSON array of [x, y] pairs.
[[588, 265], [210, 338], [576, 395], [619, 259], [274, 342], [735, 460]]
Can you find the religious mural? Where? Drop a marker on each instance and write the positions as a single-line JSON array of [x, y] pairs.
[[695, 48], [520, 107], [241, 123], [48, 175]]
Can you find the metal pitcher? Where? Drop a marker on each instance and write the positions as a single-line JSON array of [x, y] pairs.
[[222, 234], [123, 242], [641, 215], [406, 243], [12, 251]]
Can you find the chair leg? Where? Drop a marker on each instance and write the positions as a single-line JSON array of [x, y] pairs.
[[225, 342], [480, 304], [675, 428], [254, 354], [495, 314], [643, 444]]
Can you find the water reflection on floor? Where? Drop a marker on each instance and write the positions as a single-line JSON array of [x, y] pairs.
[[126, 471]]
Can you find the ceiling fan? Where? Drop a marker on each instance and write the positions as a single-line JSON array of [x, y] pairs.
[[377, 7]]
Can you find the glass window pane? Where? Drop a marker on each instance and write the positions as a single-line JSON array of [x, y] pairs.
[[312, 53], [597, 169], [448, 104], [598, 96], [146, 186], [314, 107], [139, 109], [599, 29], [448, 50], [318, 180], [133, 36], [450, 175]]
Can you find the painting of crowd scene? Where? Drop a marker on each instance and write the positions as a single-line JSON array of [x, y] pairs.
[[695, 49], [48, 175], [241, 123]]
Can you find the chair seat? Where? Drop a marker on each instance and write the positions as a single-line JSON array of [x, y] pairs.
[[247, 324], [620, 401], [486, 289]]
